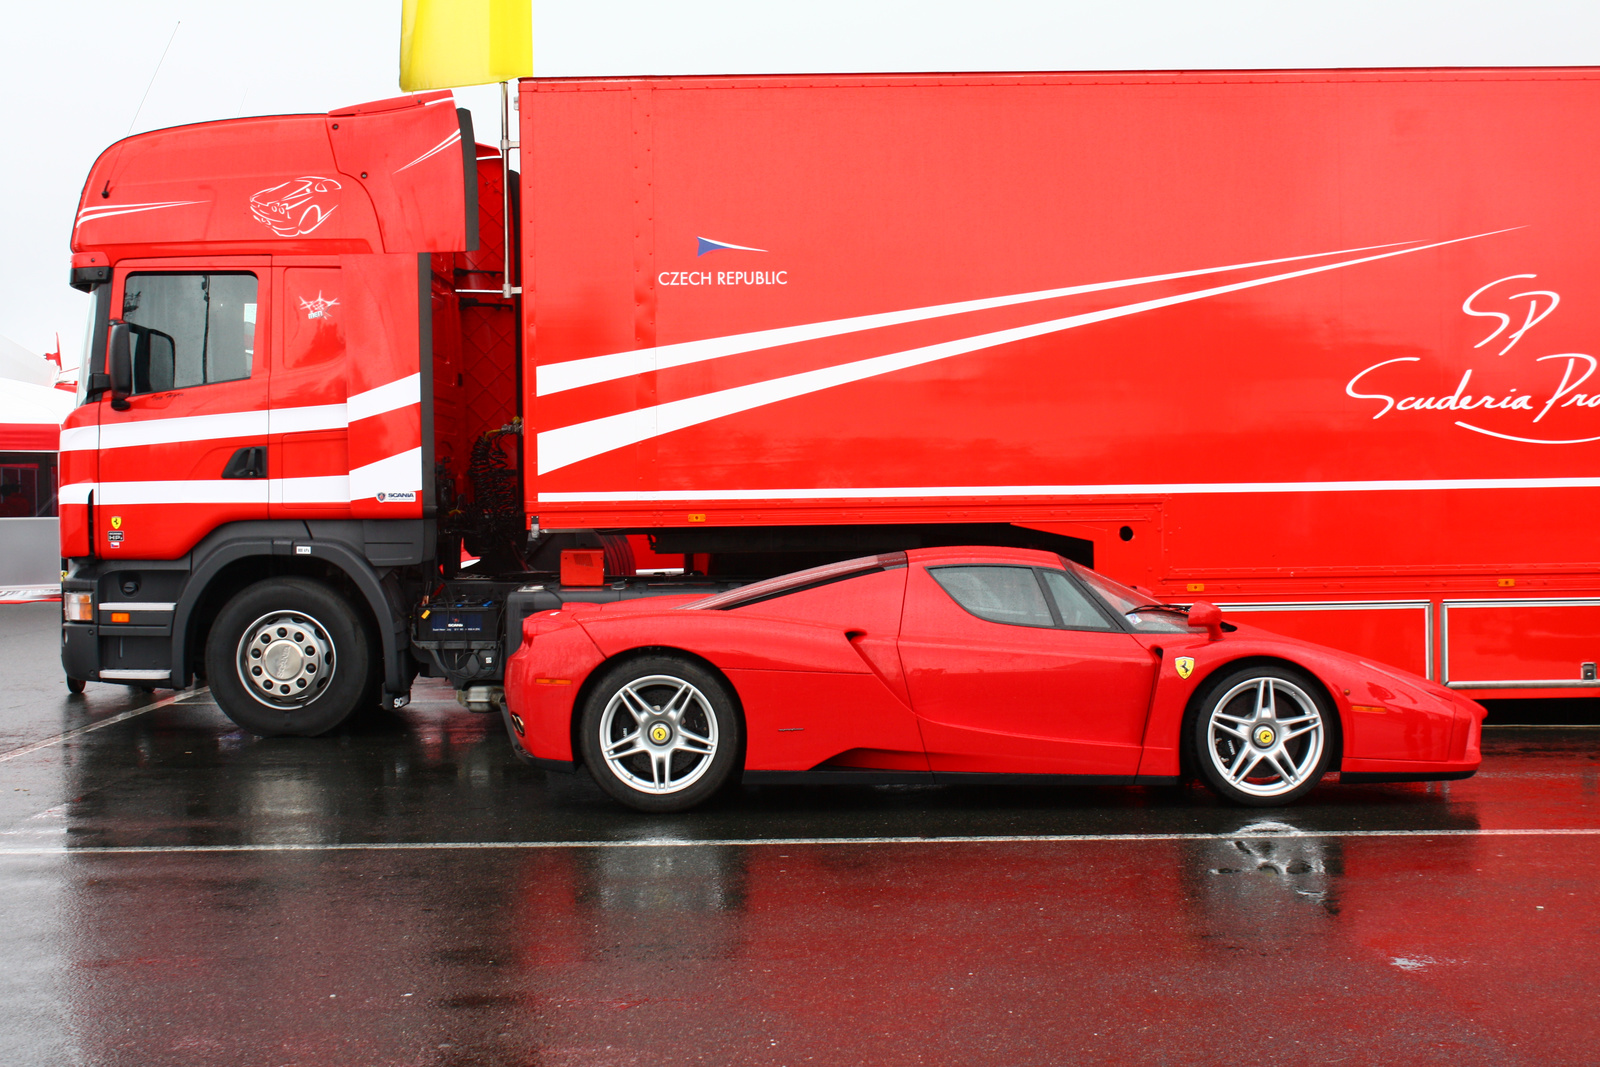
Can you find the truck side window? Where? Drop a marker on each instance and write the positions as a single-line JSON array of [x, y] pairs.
[[1000, 594], [190, 329]]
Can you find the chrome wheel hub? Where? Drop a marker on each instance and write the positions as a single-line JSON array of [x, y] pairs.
[[285, 659], [1265, 736], [658, 734]]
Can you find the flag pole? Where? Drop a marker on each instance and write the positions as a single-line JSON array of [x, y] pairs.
[[506, 145]]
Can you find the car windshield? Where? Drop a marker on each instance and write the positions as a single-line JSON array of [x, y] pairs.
[[1142, 612], [1120, 597]]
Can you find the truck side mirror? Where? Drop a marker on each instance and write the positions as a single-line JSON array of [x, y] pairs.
[[119, 364], [1202, 613]]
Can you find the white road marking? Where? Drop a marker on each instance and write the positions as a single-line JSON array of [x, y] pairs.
[[753, 842], [122, 716]]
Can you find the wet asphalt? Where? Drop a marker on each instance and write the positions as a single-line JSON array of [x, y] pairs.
[[175, 891]]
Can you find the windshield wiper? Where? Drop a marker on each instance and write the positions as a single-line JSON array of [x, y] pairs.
[[1175, 609]]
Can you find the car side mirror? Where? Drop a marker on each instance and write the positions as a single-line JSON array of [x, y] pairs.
[[1202, 613], [119, 364]]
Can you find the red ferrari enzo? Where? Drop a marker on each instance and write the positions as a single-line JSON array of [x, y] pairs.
[[960, 664]]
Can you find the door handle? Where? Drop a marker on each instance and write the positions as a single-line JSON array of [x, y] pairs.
[[248, 462]]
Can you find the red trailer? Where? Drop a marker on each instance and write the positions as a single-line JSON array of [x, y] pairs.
[[1312, 345]]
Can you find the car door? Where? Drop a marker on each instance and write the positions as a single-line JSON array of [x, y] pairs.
[[1015, 669]]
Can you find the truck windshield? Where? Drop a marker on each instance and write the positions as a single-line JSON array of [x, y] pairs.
[[91, 359]]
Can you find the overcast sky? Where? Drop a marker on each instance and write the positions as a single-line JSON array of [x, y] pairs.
[[74, 74]]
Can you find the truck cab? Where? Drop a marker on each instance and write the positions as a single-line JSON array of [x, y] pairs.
[[258, 433]]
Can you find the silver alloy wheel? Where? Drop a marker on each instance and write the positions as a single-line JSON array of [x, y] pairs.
[[658, 734], [285, 659], [1265, 735]]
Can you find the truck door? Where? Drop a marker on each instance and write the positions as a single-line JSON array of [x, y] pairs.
[[1013, 670], [80, 437], [189, 453]]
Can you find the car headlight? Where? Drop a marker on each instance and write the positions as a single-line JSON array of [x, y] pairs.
[[77, 607]]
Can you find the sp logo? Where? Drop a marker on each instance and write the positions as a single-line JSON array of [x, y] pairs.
[[1185, 666], [116, 522]]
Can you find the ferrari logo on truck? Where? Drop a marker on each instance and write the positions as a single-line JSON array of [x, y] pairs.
[[1185, 666], [298, 206]]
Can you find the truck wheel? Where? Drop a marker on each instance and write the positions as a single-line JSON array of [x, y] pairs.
[[660, 734], [1261, 736], [289, 657], [75, 685]]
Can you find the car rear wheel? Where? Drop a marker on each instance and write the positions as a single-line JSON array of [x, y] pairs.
[[660, 734], [289, 657], [1261, 736]]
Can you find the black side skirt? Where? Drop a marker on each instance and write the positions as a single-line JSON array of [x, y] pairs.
[[852, 776]]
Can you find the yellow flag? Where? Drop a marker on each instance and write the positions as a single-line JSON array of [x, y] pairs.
[[445, 43]]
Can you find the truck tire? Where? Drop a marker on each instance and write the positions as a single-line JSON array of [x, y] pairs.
[[290, 657]]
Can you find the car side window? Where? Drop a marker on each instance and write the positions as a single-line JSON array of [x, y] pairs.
[[1073, 604], [190, 329], [1000, 594]]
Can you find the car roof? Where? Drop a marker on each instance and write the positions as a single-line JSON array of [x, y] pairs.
[[1030, 557]]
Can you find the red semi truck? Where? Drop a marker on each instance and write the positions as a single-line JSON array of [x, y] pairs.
[[1312, 345]]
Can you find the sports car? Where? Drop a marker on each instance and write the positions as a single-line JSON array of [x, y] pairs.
[[960, 665]]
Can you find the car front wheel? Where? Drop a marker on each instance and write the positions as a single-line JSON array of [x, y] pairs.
[[1261, 736], [660, 734]]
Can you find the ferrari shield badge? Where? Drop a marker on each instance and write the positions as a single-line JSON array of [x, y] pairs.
[[1185, 666]]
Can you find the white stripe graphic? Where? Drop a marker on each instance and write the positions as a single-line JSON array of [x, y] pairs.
[[79, 438], [75, 492], [1128, 489], [399, 473], [454, 138], [105, 211], [334, 489], [559, 377], [306, 419], [391, 396], [570, 444], [184, 491], [186, 428], [1245, 833], [388, 397]]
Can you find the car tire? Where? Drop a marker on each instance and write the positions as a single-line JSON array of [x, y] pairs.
[[661, 733], [75, 685], [1262, 736], [305, 649]]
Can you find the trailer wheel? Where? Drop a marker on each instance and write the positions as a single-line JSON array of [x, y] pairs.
[[1261, 736], [660, 734], [75, 685], [289, 657]]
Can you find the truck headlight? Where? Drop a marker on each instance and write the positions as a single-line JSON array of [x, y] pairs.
[[77, 607]]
